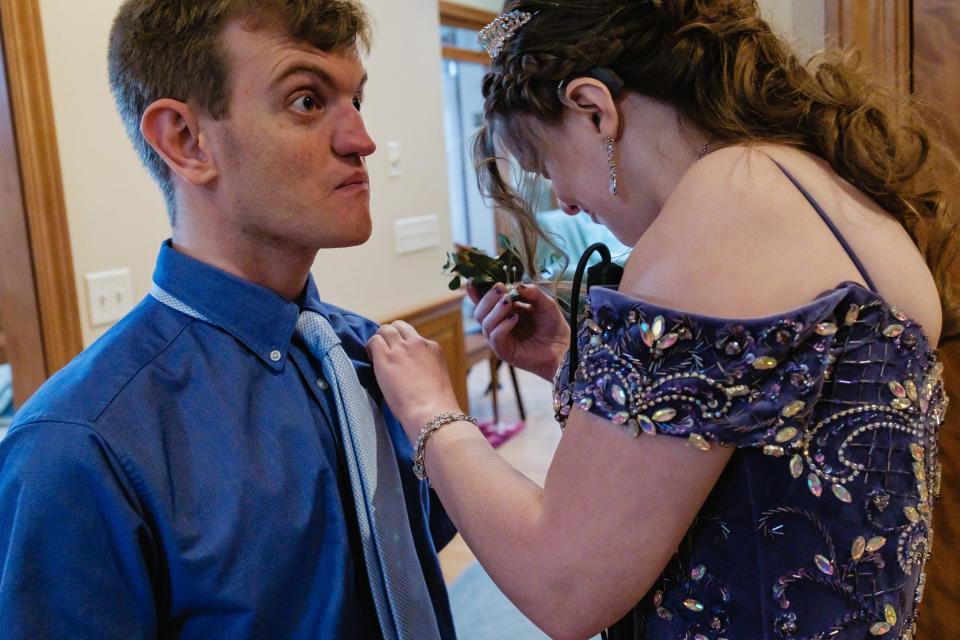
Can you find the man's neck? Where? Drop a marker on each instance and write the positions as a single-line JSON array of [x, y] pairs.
[[283, 270]]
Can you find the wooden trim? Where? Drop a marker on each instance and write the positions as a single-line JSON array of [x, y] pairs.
[[465, 55], [881, 31], [19, 310], [429, 309], [442, 321], [461, 17], [41, 181]]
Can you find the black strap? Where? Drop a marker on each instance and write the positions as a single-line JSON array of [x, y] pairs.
[[605, 272]]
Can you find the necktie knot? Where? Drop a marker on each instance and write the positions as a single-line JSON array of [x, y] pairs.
[[317, 332]]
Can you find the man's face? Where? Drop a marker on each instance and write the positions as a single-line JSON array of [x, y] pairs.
[[290, 153]]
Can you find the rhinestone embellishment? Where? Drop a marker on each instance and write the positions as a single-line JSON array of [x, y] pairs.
[[498, 33]]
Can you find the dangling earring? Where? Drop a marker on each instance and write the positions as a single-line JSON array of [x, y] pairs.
[[612, 163]]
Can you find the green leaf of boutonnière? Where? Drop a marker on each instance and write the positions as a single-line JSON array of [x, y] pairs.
[[483, 270]]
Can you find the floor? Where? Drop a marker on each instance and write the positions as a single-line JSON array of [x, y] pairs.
[[529, 451]]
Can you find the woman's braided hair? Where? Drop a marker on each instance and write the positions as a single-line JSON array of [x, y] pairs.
[[720, 65]]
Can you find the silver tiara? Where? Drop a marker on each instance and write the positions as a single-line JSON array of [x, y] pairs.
[[498, 33]]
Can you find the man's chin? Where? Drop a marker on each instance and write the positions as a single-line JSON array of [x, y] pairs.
[[355, 239]]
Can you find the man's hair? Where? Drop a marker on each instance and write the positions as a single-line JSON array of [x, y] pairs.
[[172, 49]]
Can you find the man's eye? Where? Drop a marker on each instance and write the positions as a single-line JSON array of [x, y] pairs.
[[357, 103], [306, 104]]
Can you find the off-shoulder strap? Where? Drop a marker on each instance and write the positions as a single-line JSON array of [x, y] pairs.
[[833, 228]]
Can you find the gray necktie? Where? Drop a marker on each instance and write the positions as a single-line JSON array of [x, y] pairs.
[[400, 594], [396, 578]]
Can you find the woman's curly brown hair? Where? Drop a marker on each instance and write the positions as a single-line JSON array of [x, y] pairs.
[[722, 67]]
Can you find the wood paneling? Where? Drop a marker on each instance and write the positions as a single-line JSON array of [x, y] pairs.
[[19, 309], [41, 185], [938, 612], [465, 55], [879, 30], [915, 46], [936, 65], [442, 322], [936, 81], [461, 17]]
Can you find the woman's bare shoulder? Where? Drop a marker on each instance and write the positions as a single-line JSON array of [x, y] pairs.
[[737, 238]]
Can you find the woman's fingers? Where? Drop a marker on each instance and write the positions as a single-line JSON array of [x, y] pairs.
[[488, 302], [532, 295], [405, 330], [498, 336], [399, 338], [376, 345], [530, 291], [389, 334], [503, 308]]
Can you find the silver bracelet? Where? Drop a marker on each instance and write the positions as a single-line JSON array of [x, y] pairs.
[[419, 468]]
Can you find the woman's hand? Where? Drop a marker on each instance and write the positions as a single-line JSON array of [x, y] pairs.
[[412, 374], [529, 332]]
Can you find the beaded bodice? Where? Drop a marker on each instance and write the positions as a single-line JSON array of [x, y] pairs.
[[820, 525]]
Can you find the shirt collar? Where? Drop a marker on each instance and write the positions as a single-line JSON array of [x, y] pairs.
[[254, 315]]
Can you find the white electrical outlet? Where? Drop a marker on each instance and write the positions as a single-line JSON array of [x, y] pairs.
[[109, 296], [416, 234]]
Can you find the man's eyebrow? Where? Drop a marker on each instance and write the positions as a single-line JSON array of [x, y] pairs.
[[315, 70], [304, 67]]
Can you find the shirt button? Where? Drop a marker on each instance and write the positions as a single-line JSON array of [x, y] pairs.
[[275, 355], [323, 384]]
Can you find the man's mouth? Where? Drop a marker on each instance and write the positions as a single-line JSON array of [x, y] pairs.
[[356, 180]]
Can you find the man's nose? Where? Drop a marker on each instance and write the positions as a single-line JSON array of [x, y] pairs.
[[352, 138]]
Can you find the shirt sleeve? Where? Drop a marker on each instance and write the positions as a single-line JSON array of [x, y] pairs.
[[741, 383], [442, 529], [74, 550]]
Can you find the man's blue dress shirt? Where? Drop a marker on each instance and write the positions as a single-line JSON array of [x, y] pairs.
[[184, 479]]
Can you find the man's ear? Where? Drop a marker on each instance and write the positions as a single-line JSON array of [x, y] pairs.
[[592, 98], [172, 129]]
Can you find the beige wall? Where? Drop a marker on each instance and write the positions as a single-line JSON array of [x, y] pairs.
[[115, 213], [801, 22]]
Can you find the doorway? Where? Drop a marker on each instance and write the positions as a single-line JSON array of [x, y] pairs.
[[39, 318]]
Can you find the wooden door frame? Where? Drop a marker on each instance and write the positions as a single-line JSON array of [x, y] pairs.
[[46, 327], [881, 31], [459, 16]]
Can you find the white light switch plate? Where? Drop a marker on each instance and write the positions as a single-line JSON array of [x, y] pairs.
[[416, 234], [109, 296], [393, 159]]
